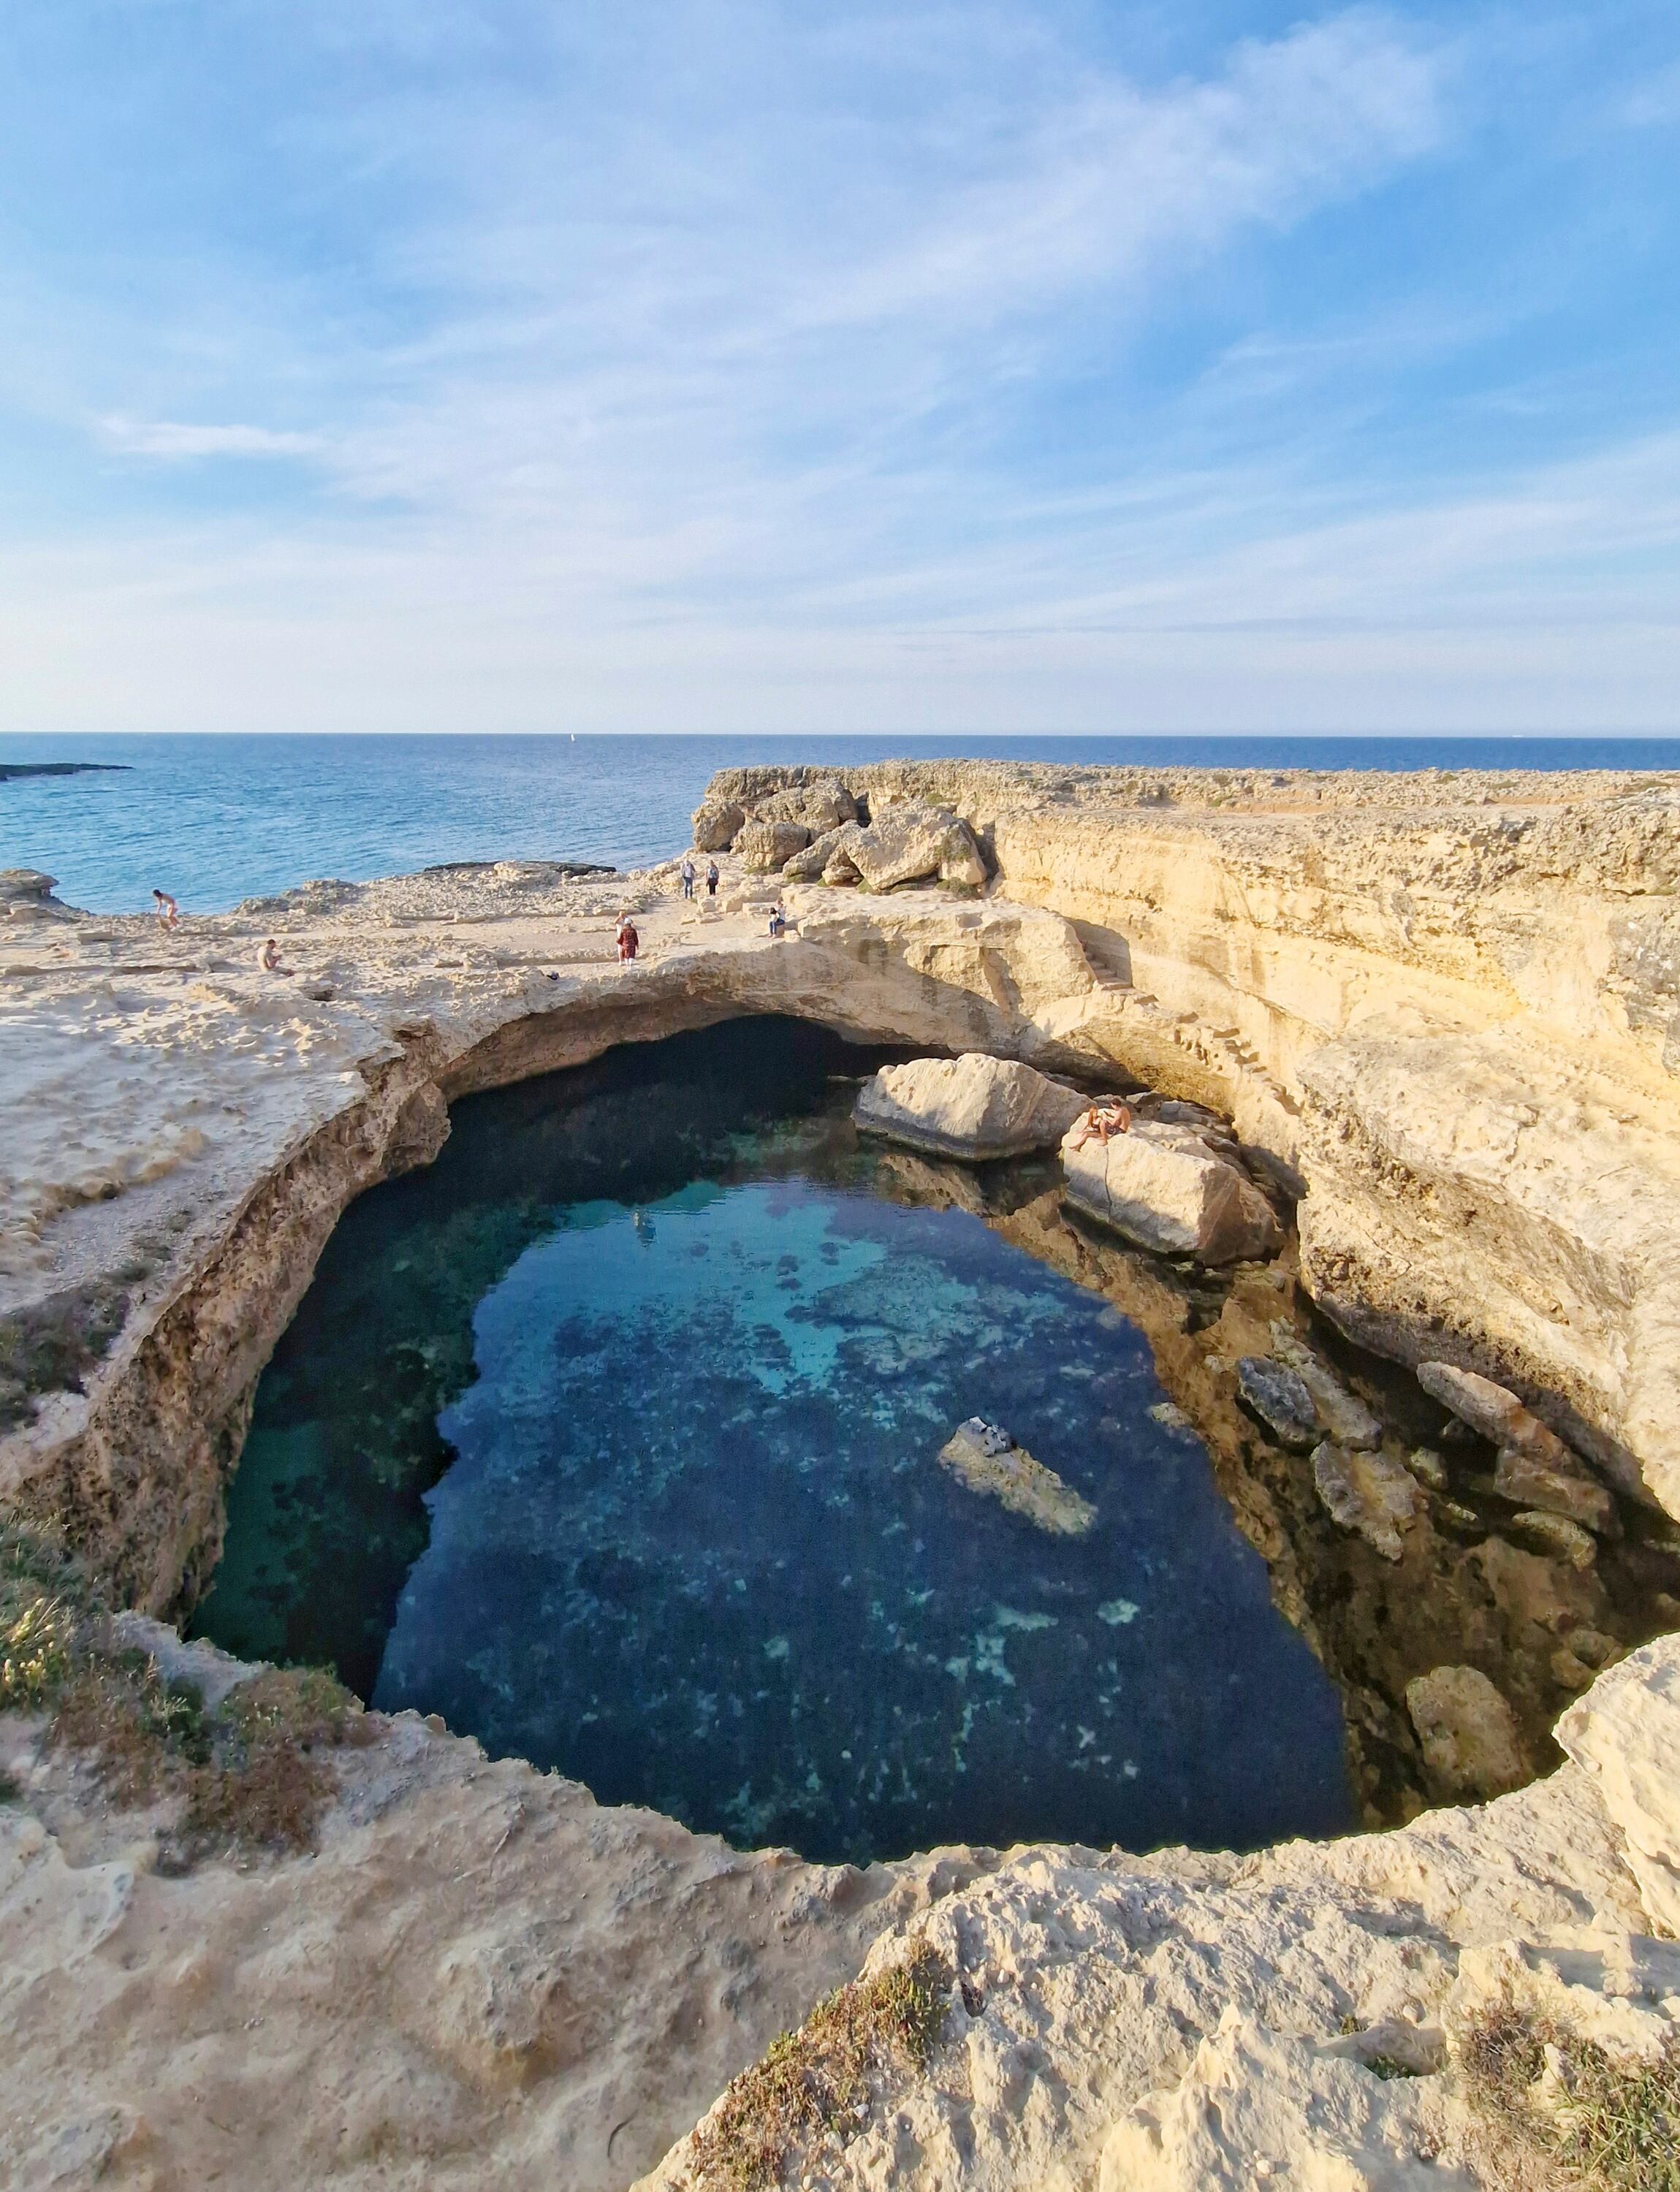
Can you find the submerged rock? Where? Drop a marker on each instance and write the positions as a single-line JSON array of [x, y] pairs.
[[1471, 1749], [1162, 1187], [973, 1454], [1279, 1397], [972, 1106], [1366, 1493]]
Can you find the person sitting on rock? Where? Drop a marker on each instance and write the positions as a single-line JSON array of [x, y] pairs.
[[1102, 1121], [269, 959], [778, 920], [168, 911]]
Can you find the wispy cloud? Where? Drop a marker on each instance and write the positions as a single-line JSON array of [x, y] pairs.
[[172, 439], [472, 361]]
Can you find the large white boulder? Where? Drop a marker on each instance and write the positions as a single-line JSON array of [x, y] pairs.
[[765, 846], [716, 824], [972, 1106], [1165, 1188]]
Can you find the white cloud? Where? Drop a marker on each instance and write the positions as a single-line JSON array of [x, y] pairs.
[[171, 439]]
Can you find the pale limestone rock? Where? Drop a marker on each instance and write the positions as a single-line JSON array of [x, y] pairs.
[[1011, 1475], [1517, 1475], [1258, 2107], [821, 807], [763, 846], [1164, 1189], [972, 1106], [717, 824], [1367, 1493], [809, 866], [913, 844], [1620, 1991], [1625, 1732], [1495, 1412], [1470, 1745]]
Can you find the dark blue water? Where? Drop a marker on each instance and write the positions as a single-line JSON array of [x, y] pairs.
[[216, 819], [614, 1440]]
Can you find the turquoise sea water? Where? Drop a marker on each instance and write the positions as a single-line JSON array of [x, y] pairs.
[[216, 819], [614, 1438]]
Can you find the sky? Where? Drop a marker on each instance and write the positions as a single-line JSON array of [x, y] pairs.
[[754, 365]]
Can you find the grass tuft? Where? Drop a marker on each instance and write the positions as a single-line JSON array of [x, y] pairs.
[[814, 2083], [249, 1776], [1604, 2125]]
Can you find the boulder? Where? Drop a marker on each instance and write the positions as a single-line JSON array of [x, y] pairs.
[[912, 843], [1625, 1733], [716, 823], [820, 807], [807, 864], [972, 1106], [841, 868], [1366, 1493], [1555, 1536], [1162, 1187], [1496, 1413], [1471, 1749], [1281, 1401], [765, 846], [1346, 1418], [1429, 1469], [1558, 1492], [988, 1461]]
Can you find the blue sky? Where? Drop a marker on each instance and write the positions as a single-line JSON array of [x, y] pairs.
[[741, 364]]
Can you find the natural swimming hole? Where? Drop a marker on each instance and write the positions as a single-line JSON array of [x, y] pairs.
[[614, 1438]]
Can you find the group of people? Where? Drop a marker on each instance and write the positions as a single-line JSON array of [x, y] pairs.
[[270, 959], [1102, 1121], [690, 874]]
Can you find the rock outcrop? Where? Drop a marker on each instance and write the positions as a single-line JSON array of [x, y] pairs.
[[1625, 1732], [1366, 1492], [972, 1106], [1163, 1187]]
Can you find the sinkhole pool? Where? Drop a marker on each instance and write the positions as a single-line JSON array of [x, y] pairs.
[[614, 1438]]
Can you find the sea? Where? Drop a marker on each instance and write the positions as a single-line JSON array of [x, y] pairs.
[[213, 820]]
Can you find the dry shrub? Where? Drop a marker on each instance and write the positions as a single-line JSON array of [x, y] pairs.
[[248, 1776], [1606, 2127], [814, 2082]]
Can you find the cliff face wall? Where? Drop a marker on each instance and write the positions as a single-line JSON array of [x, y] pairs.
[[1449, 1007]]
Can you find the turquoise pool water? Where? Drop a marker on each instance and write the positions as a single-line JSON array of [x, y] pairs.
[[635, 1473]]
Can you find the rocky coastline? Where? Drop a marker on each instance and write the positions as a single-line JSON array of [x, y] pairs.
[[1431, 1026]]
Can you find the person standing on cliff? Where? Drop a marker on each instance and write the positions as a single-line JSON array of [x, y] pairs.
[[629, 941], [711, 878], [168, 911], [687, 872]]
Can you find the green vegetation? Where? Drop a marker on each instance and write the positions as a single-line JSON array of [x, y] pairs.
[[1604, 2126], [248, 1776], [814, 2082]]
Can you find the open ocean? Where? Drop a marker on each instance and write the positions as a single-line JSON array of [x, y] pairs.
[[217, 819]]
